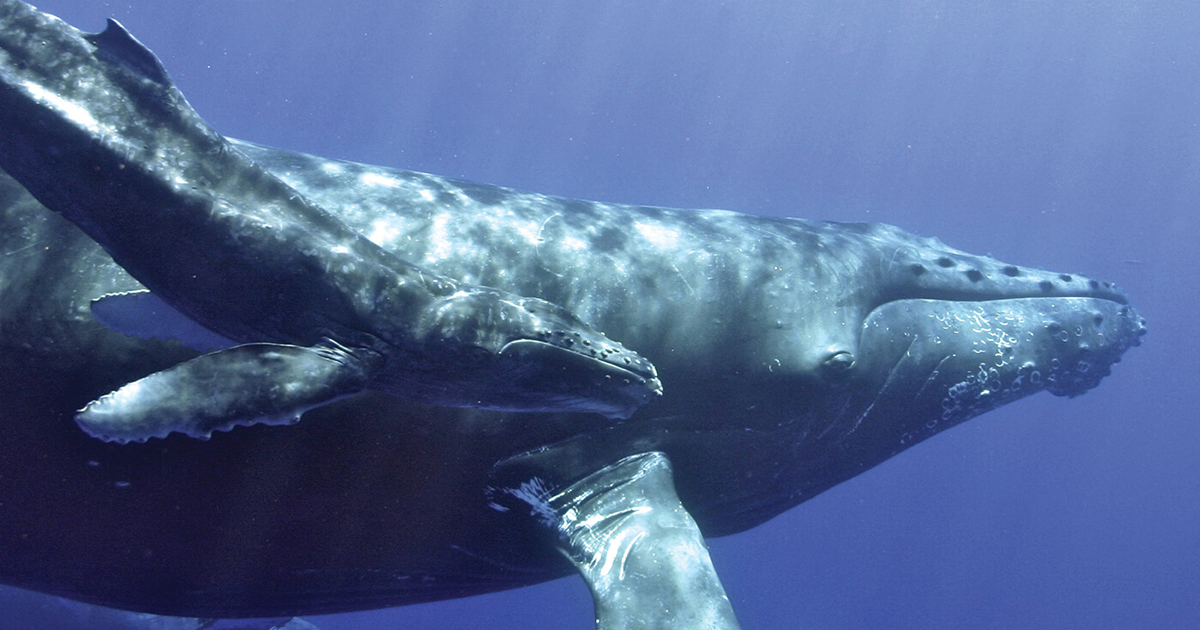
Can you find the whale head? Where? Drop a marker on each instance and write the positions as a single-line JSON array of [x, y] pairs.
[[493, 350], [898, 338]]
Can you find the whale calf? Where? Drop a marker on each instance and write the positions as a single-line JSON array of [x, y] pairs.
[[319, 311], [793, 355]]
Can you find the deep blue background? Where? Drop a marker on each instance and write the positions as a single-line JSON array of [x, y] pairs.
[[1061, 134]]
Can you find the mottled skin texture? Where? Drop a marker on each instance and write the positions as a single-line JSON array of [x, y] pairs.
[[798, 288], [794, 355], [175, 205]]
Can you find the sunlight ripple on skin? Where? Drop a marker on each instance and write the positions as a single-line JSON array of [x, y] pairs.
[[659, 236]]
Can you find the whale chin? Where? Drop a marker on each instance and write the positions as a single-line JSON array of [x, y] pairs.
[[942, 362], [554, 376]]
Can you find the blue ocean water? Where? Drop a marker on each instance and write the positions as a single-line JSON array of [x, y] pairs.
[[1057, 134]]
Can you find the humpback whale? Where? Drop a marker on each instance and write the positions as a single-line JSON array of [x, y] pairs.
[[793, 355]]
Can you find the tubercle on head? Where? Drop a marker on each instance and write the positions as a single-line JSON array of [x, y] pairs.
[[560, 327]]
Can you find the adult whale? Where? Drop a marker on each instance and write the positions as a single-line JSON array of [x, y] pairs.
[[795, 354]]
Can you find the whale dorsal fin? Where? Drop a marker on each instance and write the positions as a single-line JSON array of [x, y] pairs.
[[118, 45]]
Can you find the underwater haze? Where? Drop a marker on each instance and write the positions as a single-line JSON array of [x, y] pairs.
[[1059, 134]]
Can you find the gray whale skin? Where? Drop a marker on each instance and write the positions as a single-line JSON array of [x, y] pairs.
[[792, 354]]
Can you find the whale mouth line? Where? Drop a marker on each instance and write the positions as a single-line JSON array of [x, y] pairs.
[[636, 370], [1100, 292], [952, 295], [1097, 299]]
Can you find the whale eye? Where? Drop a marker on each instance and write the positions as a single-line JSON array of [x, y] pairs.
[[837, 365]]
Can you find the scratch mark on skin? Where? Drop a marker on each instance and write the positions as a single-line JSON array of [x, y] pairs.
[[687, 284], [20, 249], [891, 262], [537, 246], [837, 420], [891, 377], [932, 375]]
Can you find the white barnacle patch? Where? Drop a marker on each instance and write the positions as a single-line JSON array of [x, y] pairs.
[[427, 194], [379, 179], [660, 236], [990, 331], [71, 111]]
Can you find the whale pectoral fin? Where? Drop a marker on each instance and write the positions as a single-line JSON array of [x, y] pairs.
[[144, 315], [638, 549], [250, 384]]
